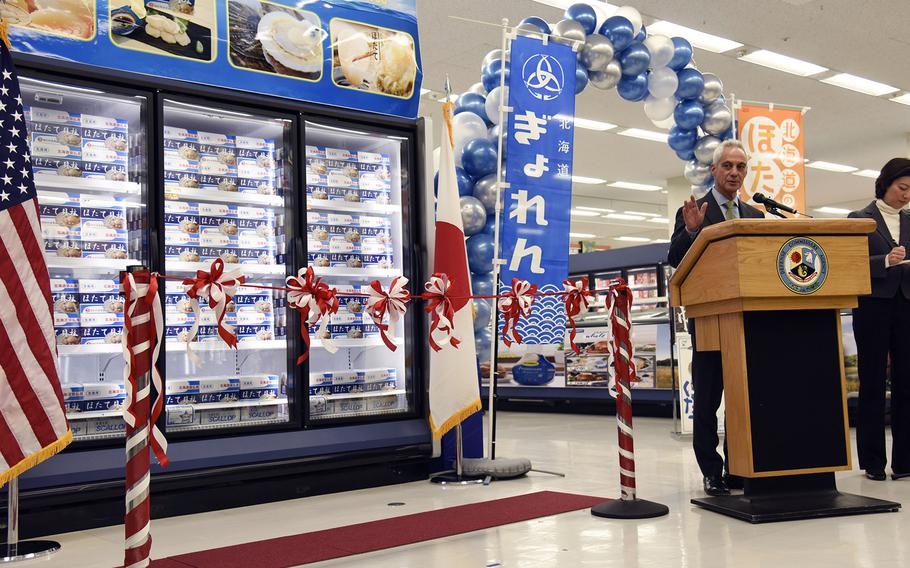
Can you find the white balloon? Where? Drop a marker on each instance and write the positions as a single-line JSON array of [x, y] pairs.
[[659, 109], [633, 16], [478, 88], [666, 123], [494, 100], [661, 48], [466, 126], [662, 82]]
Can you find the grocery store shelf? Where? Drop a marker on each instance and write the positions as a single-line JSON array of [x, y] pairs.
[[92, 415], [237, 404], [362, 394], [241, 424], [356, 273], [215, 196], [345, 343], [90, 349], [352, 207], [86, 185], [337, 415], [217, 345], [88, 265], [177, 267]]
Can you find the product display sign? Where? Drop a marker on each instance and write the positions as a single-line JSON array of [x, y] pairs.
[[774, 138], [538, 195], [360, 55]]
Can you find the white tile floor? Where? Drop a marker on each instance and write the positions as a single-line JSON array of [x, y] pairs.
[[584, 448]]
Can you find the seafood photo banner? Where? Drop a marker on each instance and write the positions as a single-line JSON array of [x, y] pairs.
[[362, 55]]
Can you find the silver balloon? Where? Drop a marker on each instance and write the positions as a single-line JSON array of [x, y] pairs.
[[493, 136], [495, 54], [567, 31], [478, 88], [718, 119], [696, 173], [704, 149], [473, 215], [608, 77], [596, 53], [700, 191], [529, 30], [713, 88], [485, 192]]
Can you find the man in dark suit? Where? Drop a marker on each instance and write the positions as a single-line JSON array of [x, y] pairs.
[[722, 203]]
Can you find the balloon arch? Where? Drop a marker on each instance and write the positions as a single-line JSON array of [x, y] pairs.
[[653, 69]]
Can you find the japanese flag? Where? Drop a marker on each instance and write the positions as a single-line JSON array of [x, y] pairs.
[[454, 388]]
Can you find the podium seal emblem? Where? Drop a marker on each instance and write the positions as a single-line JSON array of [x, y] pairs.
[[802, 265]]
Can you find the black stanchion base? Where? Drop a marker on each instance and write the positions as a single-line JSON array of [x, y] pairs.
[[631, 509], [793, 497], [28, 550], [455, 479]]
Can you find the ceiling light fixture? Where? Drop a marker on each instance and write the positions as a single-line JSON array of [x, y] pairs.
[[588, 180], [645, 134], [598, 209], [859, 84], [832, 210], [661, 220], [831, 167], [623, 217], [699, 39], [632, 239], [583, 235], [603, 9], [867, 173], [635, 186], [577, 213], [642, 213], [589, 124], [902, 99], [783, 63]]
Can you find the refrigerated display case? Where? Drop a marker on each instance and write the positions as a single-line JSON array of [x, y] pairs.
[[88, 154]]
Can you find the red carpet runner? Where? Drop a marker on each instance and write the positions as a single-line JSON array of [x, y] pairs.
[[387, 533]]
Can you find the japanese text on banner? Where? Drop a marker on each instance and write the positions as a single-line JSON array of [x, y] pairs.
[[535, 222]]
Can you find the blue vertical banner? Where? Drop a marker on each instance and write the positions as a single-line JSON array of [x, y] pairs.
[[538, 190]]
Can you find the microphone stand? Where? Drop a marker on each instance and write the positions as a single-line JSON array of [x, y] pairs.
[[775, 211]]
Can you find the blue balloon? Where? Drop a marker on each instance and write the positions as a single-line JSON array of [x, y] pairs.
[[465, 183], [619, 31], [539, 23], [584, 15], [689, 114], [691, 84], [633, 88], [482, 311], [480, 253], [685, 155], [472, 102], [489, 76], [482, 284], [682, 54], [634, 59], [642, 35], [581, 79], [479, 158], [682, 138], [727, 135], [483, 341], [490, 227]]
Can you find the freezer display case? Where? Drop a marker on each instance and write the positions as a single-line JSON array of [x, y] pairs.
[[600, 282], [88, 154], [228, 187], [356, 206]]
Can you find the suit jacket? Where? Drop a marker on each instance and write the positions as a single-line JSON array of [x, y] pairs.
[[681, 241], [886, 281]]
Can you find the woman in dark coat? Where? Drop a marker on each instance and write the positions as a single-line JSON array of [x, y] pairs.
[[881, 326]]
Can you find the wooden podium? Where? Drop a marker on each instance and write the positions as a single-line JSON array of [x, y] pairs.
[[767, 295]]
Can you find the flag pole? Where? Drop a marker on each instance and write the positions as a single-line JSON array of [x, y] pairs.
[[13, 550]]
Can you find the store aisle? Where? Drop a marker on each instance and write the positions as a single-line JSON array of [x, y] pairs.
[[584, 448]]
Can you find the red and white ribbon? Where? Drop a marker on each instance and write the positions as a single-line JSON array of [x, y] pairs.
[[576, 300], [619, 310], [442, 312], [142, 335], [515, 305], [316, 303], [218, 288], [394, 303]]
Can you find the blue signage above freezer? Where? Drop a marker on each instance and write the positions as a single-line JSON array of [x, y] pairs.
[[360, 55]]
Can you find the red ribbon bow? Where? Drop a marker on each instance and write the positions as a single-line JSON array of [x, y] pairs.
[[619, 310], [442, 312], [315, 301], [576, 296], [515, 304], [219, 289], [394, 303]]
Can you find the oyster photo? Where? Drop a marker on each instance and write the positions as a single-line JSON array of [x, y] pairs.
[[275, 39], [71, 18], [373, 59]]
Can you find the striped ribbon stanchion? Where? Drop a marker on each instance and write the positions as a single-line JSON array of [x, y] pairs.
[[628, 506]]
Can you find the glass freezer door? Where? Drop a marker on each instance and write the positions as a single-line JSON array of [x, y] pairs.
[[228, 190], [356, 234], [88, 154]]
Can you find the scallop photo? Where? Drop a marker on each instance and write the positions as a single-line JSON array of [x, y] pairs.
[[374, 59], [275, 39], [70, 18], [181, 29]]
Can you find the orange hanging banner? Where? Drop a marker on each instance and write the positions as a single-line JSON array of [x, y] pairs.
[[773, 136]]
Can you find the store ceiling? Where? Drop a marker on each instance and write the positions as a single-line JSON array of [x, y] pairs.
[[866, 38]]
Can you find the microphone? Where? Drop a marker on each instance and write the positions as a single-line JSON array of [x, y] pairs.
[[771, 204]]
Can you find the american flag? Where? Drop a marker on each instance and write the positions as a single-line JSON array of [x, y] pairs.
[[33, 423]]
